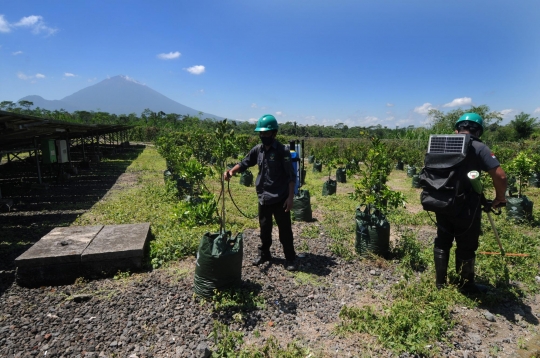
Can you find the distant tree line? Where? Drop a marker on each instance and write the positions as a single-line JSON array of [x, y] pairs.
[[149, 124]]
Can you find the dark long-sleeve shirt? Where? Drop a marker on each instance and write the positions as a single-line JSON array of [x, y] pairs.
[[275, 171]]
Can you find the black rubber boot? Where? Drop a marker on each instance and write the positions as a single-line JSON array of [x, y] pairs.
[[465, 270], [441, 266], [261, 258]]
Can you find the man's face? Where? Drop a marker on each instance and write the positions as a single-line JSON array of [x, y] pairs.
[[265, 134]]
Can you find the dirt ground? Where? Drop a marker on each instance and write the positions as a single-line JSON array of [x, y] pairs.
[[305, 312]]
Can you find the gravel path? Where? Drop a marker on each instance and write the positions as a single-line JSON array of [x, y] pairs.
[[155, 314]]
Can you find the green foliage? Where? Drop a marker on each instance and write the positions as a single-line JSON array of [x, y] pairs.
[[521, 167], [229, 344], [237, 300], [197, 211], [444, 123], [524, 125], [409, 251], [417, 317], [122, 275], [371, 189]]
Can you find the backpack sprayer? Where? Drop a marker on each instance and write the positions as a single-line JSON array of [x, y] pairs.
[[487, 207]]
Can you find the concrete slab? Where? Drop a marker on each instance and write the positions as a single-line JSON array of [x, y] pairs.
[[116, 247], [56, 257], [60, 245]]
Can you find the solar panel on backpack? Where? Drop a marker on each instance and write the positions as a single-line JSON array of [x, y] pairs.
[[448, 144]]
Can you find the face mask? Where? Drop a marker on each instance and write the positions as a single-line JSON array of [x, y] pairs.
[[267, 140]]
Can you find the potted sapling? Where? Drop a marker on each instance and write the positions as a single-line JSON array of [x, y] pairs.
[[519, 208], [372, 227], [220, 254]]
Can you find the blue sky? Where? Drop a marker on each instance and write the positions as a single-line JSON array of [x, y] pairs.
[[314, 62]]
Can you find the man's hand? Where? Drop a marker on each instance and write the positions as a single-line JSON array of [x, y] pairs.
[[288, 204], [497, 203], [227, 175]]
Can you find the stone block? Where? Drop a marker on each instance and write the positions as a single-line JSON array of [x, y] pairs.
[[56, 257], [116, 248]]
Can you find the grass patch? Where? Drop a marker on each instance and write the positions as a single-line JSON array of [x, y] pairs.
[[304, 278], [230, 344], [417, 316]]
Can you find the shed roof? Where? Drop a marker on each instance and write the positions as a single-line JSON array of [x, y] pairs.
[[19, 130]]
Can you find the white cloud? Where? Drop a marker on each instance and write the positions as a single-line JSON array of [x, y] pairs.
[[17, 53], [130, 79], [22, 76], [30, 78], [389, 105], [537, 110], [464, 101], [29, 21], [4, 25], [36, 24], [254, 105], [391, 118], [253, 120], [369, 121], [504, 112], [423, 109], [195, 70], [169, 56], [67, 74], [279, 113], [92, 79], [201, 91]]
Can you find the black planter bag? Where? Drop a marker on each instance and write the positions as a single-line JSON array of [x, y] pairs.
[[246, 178], [511, 188], [329, 187], [311, 159], [519, 209], [399, 165], [341, 175], [219, 263], [352, 165], [411, 170], [534, 180], [317, 167], [302, 206], [416, 181], [372, 232]]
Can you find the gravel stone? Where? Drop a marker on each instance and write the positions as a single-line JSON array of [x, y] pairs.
[[489, 316]]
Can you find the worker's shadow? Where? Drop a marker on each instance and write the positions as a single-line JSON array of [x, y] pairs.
[[507, 300], [311, 263], [514, 312]]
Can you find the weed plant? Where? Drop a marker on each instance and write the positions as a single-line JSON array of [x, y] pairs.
[[237, 300], [230, 344], [417, 316]]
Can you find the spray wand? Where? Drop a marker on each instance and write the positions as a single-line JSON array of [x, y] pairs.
[[487, 207]]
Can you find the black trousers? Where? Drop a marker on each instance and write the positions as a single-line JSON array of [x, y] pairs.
[[464, 230], [283, 220]]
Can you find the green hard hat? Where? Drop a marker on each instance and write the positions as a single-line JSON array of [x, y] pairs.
[[266, 123], [472, 118]]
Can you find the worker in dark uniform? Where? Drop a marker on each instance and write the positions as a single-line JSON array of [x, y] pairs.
[[275, 189], [465, 227]]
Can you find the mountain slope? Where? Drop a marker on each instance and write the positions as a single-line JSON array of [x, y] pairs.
[[118, 95]]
